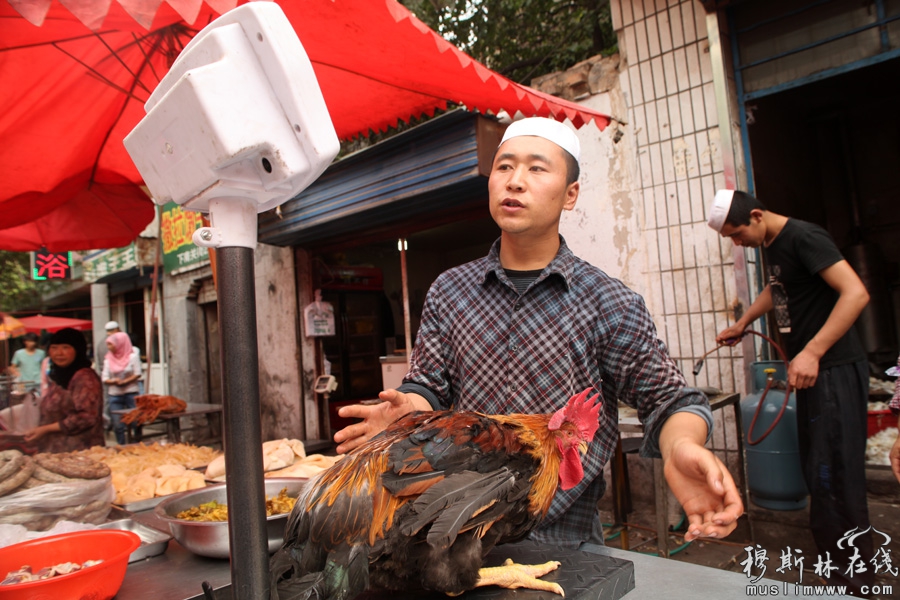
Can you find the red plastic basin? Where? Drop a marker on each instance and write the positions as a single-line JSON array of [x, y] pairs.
[[880, 420], [99, 582]]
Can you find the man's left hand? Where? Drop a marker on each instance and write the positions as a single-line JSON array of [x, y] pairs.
[[803, 370], [705, 489]]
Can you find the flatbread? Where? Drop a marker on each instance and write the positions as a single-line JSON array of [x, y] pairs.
[[277, 455], [74, 466], [308, 467]]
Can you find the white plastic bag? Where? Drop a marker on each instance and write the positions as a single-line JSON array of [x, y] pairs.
[[21, 417], [40, 508]]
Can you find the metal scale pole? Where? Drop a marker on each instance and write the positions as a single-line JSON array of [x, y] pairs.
[[232, 232], [197, 147]]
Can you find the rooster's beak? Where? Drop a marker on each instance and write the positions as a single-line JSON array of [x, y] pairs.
[[583, 447]]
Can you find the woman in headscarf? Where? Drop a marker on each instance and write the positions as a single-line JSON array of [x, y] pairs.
[[121, 371], [72, 406]]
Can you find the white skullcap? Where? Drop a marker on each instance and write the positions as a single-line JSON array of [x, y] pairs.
[[719, 211], [112, 325], [548, 129]]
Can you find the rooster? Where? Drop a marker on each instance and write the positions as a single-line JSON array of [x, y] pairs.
[[421, 504]]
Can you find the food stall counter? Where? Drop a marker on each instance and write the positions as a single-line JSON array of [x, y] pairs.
[[178, 575]]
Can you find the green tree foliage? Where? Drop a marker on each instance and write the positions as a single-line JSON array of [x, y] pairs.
[[522, 39], [17, 289]]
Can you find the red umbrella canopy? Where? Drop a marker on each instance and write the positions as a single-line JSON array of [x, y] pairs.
[[377, 63], [72, 90], [68, 97], [39, 323], [96, 215]]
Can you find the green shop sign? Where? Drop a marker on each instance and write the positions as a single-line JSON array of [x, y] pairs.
[[98, 265], [176, 226]]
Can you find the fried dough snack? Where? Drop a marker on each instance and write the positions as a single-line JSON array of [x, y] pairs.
[[140, 471], [18, 469], [149, 406], [132, 459]]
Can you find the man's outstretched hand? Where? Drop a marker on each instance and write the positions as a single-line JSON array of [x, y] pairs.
[[375, 417], [705, 489]]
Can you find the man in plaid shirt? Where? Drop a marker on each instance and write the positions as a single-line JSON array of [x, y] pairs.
[[531, 324]]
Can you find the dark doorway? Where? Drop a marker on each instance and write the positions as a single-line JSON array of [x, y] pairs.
[[364, 285], [828, 152]]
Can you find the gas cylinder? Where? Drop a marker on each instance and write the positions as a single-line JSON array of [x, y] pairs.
[[774, 474]]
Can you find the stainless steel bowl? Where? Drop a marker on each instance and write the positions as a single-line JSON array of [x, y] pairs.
[[211, 539]]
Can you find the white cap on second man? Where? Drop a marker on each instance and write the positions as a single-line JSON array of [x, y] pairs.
[[719, 211], [548, 129], [112, 325]]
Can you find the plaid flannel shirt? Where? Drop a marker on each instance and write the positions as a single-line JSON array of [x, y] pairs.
[[482, 346]]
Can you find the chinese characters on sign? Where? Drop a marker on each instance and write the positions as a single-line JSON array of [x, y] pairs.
[[99, 264], [51, 265], [177, 227], [754, 567]]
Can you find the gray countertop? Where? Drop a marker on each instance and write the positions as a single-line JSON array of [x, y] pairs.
[[178, 575], [674, 580]]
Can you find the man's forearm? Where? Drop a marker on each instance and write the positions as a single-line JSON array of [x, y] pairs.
[[760, 306], [418, 401], [680, 427], [420, 396]]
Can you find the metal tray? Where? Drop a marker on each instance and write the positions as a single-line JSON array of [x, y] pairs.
[[153, 541]]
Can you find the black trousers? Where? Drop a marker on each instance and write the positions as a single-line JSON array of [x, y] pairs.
[[831, 423]]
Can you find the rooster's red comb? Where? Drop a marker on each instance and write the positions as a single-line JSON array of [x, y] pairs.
[[582, 411]]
